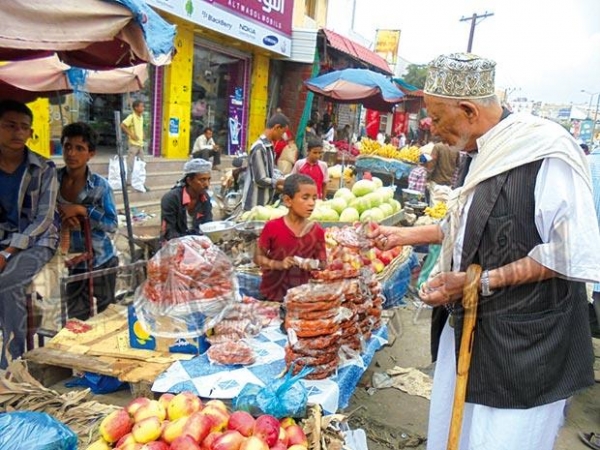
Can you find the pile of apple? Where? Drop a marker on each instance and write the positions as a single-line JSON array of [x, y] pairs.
[[340, 257], [183, 422]]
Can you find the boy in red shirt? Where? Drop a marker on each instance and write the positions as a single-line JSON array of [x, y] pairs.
[[290, 246], [313, 166]]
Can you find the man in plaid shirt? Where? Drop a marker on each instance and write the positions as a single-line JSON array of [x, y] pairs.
[[29, 222], [417, 178]]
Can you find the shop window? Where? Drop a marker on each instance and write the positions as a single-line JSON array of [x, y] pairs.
[[218, 97], [99, 111]]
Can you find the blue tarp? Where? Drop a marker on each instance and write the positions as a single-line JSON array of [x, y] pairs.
[[158, 33]]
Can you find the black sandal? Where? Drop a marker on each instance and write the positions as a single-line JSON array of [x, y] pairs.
[[592, 440]]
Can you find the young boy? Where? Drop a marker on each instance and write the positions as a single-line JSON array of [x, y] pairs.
[[314, 167], [84, 193], [293, 235], [28, 222]]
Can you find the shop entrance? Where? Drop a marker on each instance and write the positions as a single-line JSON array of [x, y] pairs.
[[219, 97]]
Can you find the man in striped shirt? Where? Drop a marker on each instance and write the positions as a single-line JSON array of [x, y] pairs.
[[28, 222], [261, 182]]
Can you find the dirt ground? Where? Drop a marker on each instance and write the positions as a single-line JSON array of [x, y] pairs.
[[393, 419]]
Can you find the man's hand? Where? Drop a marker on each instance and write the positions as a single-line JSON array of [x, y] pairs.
[[444, 288], [279, 184], [384, 237]]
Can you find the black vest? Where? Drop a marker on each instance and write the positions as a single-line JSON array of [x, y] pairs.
[[532, 343]]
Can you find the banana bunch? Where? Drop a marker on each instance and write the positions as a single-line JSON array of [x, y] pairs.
[[438, 211], [369, 146], [410, 154]]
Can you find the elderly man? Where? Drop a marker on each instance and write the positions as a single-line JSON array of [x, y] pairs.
[[187, 205], [525, 214]]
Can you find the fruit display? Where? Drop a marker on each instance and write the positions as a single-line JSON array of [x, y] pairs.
[[184, 422], [437, 211], [368, 200], [369, 147], [264, 213], [348, 257]]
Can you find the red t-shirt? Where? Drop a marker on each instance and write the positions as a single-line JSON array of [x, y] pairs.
[[316, 173], [278, 242]]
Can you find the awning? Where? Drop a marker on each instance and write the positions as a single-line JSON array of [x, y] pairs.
[[351, 48]]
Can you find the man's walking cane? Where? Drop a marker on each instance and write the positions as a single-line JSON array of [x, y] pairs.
[[469, 303]]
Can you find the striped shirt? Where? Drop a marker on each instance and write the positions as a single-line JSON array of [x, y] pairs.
[[259, 182], [38, 218], [98, 198]]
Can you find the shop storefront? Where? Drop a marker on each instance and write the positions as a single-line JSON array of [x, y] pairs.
[[219, 76]]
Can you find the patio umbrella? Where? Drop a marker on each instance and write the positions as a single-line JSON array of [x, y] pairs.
[[97, 34], [370, 89], [45, 77]]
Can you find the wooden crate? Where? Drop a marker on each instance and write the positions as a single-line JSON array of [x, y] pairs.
[[102, 346]]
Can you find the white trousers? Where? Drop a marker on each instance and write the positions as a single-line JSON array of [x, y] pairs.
[[486, 428]]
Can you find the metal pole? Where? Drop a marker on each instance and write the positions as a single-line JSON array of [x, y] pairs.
[[471, 33], [124, 184]]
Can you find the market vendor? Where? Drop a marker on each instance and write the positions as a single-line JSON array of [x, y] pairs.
[[187, 205], [525, 214], [313, 166], [292, 245]]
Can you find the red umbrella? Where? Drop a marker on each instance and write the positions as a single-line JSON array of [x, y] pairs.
[[94, 34], [45, 77]]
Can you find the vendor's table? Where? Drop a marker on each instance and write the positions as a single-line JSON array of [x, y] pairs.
[[226, 381], [101, 345]]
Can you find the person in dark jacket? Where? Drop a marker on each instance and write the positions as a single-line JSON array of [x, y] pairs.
[[187, 205]]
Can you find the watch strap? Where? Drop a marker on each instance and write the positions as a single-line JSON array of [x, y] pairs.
[[6, 255], [485, 284]]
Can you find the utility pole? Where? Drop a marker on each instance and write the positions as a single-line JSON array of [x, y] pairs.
[[473, 20]]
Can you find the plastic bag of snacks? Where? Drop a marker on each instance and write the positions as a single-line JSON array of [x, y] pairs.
[[190, 283]]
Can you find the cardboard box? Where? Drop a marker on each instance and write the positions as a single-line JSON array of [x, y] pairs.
[[140, 338]]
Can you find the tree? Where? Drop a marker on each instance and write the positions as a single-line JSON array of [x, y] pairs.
[[415, 74]]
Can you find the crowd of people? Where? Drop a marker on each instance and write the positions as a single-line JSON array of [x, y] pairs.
[[520, 198]]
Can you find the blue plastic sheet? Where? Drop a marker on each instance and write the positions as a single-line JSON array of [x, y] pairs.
[[34, 431], [396, 285]]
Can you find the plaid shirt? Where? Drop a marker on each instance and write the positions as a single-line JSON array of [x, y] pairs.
[[99, 200], [417, 179], [39, 221]]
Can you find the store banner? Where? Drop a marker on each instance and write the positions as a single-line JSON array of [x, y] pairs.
[[236, 111], [264, 23], [386, 45]]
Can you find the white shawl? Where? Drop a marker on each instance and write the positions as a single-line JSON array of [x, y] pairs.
[[517, 140]]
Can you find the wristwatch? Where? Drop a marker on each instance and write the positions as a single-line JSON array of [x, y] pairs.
[[485, 284], [6, 255]]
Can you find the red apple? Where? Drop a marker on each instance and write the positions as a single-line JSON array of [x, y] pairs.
[[242, 422], [296, 436], [209, 440], [267, 427], [197, 426], [286, 422], [184, 443], [254, 443], [230, 440]]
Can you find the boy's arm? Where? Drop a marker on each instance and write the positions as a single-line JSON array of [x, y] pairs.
[[46, 209]]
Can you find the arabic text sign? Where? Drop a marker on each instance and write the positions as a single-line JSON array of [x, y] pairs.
[[386, 45], [245, 24], [275, 14]]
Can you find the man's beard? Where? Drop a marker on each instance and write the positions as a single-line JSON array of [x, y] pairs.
[[461, 143]]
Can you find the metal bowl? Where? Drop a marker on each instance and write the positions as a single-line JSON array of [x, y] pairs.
[[218, 230], [418, 207], [250, 229]]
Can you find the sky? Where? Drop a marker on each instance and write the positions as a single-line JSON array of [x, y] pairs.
[[545, 50]]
